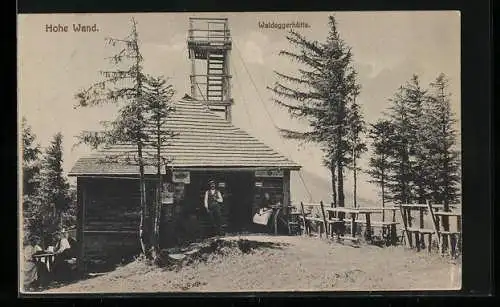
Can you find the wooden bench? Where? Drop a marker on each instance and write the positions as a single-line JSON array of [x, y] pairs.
[[452, 239], [389, 232], [316, 220], [307, 219], [420, 234], [352, 239]]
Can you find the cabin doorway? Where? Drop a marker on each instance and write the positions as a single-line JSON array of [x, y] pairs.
[[237, 189], [239, 201]]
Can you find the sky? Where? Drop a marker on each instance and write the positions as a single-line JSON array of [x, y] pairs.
[[388, 47]]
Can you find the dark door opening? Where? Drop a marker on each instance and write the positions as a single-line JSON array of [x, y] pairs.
[[239, 201], [237, 190]]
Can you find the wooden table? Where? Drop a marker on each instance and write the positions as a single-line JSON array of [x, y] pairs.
[[352, 212], [368, 212], [391, 237], [47, 258]]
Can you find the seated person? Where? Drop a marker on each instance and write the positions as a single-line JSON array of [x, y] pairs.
[[264, 206], [63, 247], [63, 252], [30, 268], [266, 201]]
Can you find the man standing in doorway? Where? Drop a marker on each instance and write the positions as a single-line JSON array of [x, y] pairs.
[[213, 203]]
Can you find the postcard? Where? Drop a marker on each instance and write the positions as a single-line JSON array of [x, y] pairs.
[[239, 152]]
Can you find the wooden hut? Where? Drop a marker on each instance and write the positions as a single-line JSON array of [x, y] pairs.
[[206, 146]]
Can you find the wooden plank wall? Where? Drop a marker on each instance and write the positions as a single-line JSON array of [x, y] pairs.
[[109, 211], [111, 215]]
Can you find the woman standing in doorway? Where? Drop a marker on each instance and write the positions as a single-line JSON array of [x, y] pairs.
[[213, 203]]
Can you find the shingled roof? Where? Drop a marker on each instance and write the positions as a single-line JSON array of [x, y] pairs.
[[203, 140]]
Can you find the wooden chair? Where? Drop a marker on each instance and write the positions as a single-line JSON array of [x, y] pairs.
[[308, 220]]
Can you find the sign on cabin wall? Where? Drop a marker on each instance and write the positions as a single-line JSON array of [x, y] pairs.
[[180, 177], [269, 173], [167, 193]]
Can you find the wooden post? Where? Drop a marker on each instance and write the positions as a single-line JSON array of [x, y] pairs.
[[409, 217], [445, 243], [368, 232], [353, 225], [80, 228], [421, 240], [286, 192], [434, 224], [394, 237], [417, 240], [421, 217], [193, 74], [330, 213], [304, 218], [459, 230], [227, 88], [405, 224], [325, 224], [275, 219], [410, 224], [383, 211], [453, 244], [429, 242]]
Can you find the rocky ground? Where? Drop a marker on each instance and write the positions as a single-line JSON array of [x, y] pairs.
[[280, 263]]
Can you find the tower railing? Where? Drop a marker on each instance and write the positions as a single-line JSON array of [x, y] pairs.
[[209, 44], [208, 31]]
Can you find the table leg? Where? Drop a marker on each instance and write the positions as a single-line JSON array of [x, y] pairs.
[[452, 245], [368, 233], [353, 225], [394, 235], [276, 222]]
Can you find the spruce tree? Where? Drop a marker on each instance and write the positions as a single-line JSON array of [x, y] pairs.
[[415, 97], [144, 103], [443, 154], [406, 113], [381, 134], [123, 86], [31, 159], [399, 181], [52, 197], [357, 129], [31, 170], [158, 96], [321, 93]]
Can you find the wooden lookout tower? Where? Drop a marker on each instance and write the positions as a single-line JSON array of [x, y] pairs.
[[209, 46]]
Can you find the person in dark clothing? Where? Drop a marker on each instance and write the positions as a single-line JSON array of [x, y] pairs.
[[260, 209], [266, 201], [63, 253], [213, 203]]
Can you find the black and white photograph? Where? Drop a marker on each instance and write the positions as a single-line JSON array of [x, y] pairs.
[[239, 152]]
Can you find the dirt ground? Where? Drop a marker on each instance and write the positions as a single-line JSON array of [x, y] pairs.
[[296, 264]]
